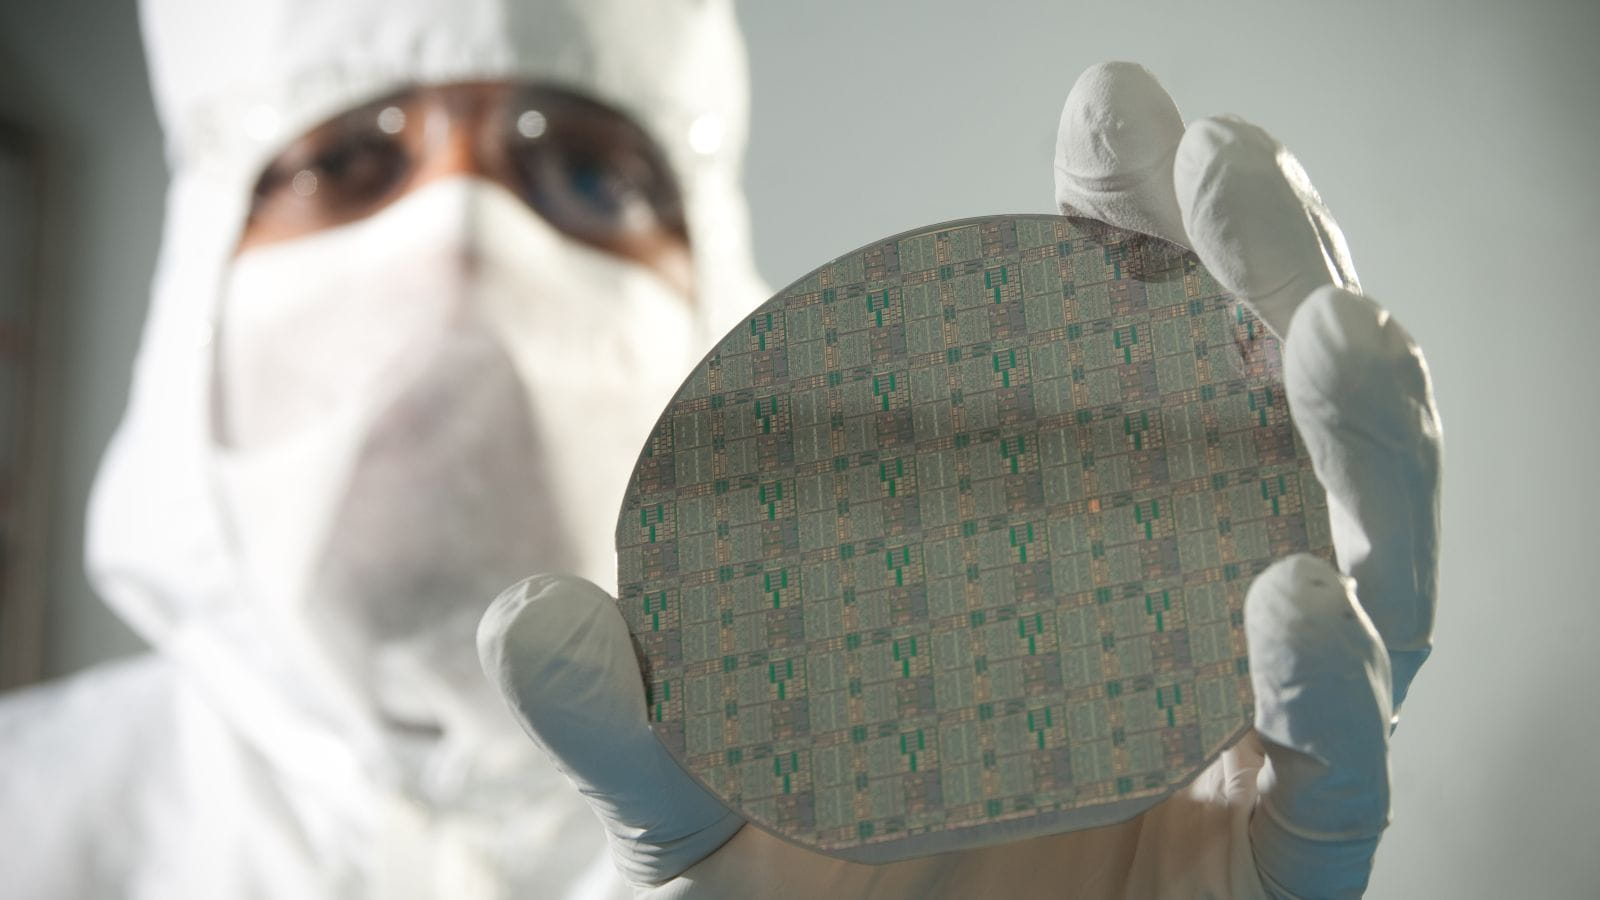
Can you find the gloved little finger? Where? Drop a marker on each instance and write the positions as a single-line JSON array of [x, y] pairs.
[[1321, 680], [560, 653]]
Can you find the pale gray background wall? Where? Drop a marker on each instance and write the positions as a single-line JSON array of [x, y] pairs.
[[1453, 140], [73, 72]]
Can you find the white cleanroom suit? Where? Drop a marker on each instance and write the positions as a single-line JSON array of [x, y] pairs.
[[340, 446]]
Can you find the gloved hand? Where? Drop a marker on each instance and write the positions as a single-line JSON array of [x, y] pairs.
[[1293, 810]]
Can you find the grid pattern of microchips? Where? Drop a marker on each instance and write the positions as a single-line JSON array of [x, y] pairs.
[[956, 531]]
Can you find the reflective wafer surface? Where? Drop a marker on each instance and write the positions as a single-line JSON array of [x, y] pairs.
[[948, 542]]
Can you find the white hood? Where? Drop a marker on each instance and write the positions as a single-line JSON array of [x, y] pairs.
[[234, 82]]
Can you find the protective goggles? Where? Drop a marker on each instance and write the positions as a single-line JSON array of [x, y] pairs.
[[586, 168]]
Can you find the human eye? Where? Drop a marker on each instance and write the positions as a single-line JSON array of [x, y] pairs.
[[593, 174], [335, 173]]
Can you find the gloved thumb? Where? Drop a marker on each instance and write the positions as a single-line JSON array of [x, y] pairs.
[[557, 648]]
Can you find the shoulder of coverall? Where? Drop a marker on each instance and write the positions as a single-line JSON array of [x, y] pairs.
[[92, 749]]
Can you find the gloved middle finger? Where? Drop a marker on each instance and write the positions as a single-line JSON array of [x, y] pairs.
[[1254, 219]]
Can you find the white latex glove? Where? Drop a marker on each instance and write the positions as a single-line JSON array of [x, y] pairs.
[[1295, 809]]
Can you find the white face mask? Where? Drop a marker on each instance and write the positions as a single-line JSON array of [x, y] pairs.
[[420, 408]]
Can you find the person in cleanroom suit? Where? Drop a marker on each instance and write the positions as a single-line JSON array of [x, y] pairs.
[[430, 272]]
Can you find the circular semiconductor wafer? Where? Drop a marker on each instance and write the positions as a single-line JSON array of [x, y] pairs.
[[947, 543]]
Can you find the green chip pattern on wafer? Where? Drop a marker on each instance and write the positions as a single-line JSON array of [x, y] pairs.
[[949, 540]]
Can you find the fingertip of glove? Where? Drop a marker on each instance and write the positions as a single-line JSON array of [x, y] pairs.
[[1123, 83], [1113, 162], [1297, 608], [1301, 617], [527, 617], [1298, 586], [1216, 141], [1117, 119], [1336, 318], [1345, 349], [1252, 216], [1224, 167], [496, 624]]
